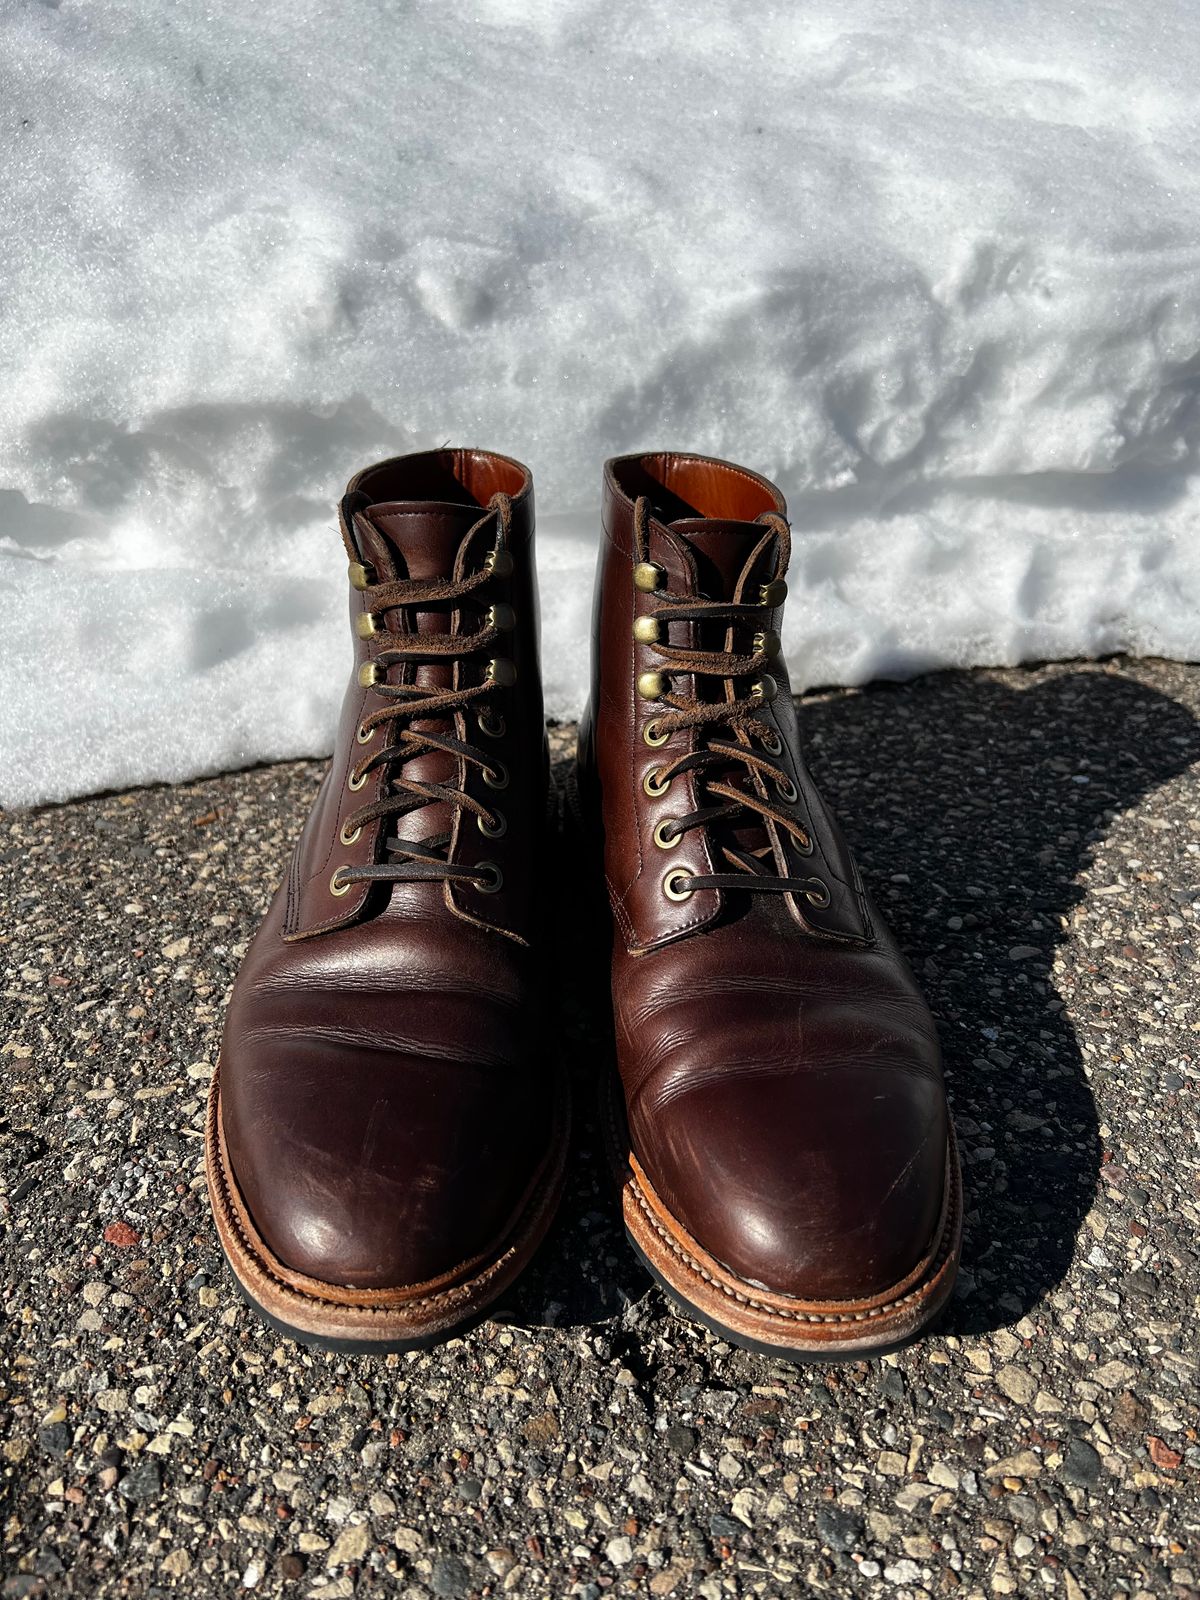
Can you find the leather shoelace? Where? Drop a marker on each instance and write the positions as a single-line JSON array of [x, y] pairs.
[[420, 859], [738, 715]]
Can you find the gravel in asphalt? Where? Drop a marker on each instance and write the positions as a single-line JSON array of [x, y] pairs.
[[1033, 837]]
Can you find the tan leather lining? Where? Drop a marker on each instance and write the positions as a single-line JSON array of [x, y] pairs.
[[453, 476], [682, 485]]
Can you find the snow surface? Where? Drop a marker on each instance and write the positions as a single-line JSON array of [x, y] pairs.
[[933, 266]]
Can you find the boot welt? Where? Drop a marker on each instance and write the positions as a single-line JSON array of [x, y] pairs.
[[365, 1321], [779, 1325]]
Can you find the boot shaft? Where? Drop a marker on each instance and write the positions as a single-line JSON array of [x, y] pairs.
[[679, 529], [442, 516]]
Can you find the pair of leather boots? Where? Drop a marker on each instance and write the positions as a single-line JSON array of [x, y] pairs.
[[388, 1125]]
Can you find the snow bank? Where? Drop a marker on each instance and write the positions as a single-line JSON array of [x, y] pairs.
[[932, 266]]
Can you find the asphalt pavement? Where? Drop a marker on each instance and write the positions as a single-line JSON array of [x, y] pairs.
[[1034, 838]]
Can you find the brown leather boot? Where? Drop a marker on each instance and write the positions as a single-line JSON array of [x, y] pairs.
[[385, 1139], [786, 1149]]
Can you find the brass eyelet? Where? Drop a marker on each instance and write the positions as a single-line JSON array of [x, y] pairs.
[[366, 624], [768, 643], [645, 630], [786, 787], [653, 783], [650, 685], [672, 884], [351, 837], [499, 563], [368, 674], [494, 827], [356, 783], [495, 878], [666, 836], [339, 888], [772, 744], [492, 724], [501, 672], [773, 593], [361, 576], [501, 617], [496, 776], [365, 735], [818, 897], [652, 736], [803, 846], [647, 577], [764, 688]]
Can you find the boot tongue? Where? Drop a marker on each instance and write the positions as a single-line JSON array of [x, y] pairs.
[[721, 550], [732, 559], [415, 538], [420, 540]]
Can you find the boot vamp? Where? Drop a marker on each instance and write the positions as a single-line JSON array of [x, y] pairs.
[[381, 1093], [786, 1101]]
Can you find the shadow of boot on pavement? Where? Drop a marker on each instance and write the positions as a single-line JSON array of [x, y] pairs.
[[973, 808]]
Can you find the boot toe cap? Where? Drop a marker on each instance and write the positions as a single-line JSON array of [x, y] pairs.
[[816, 1184], [388, 1180]]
